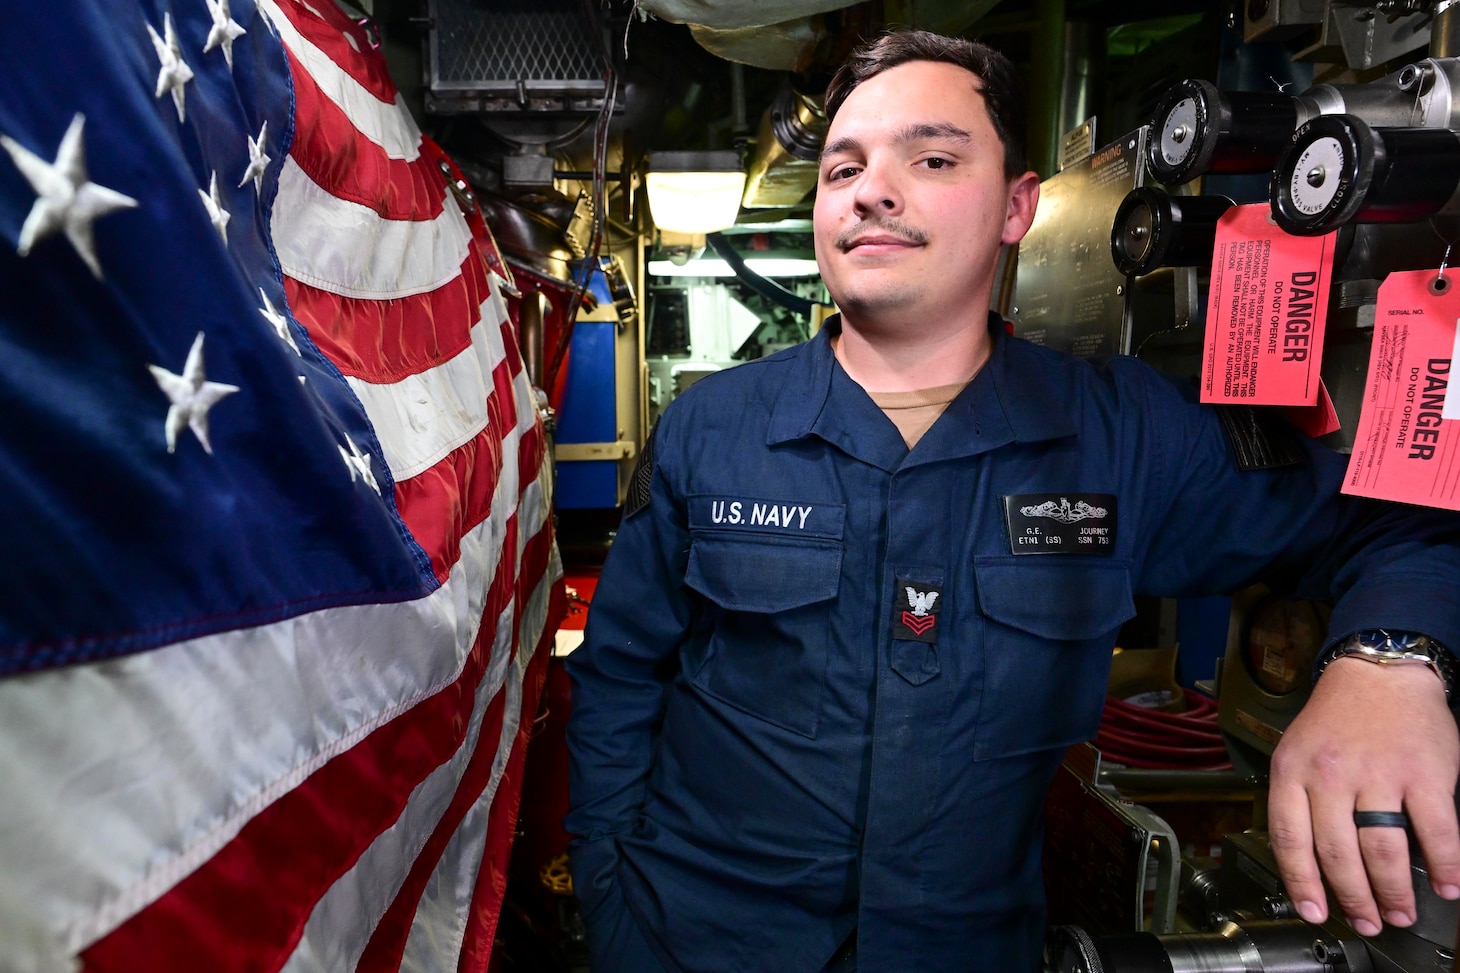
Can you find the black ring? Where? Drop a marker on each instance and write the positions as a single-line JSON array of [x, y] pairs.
[[1380, 819]]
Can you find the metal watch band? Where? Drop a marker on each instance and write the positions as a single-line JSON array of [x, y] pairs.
[[1383, 647]]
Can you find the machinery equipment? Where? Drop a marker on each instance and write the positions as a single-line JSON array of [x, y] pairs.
[[1234, 916], [1197, 129], [1248, 927]]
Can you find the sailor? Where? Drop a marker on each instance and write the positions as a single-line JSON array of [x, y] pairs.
[[820, 738]]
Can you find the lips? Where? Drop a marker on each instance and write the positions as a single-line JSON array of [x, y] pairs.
[[877, 240], [887, 233]]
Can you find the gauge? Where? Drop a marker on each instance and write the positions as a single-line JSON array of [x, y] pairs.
[[1280, 643]]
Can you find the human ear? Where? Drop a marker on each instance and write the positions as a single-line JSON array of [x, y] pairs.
[[1023, 198]]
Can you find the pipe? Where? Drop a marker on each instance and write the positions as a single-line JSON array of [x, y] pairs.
[[534, 307], [1445, 29], [1049, 58]]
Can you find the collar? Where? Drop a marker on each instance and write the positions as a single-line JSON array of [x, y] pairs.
[[1022, 394]]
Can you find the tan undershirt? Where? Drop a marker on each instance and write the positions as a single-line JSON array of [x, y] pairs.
[[913, 413]]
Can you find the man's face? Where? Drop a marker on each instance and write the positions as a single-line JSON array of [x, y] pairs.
[[911, 202]]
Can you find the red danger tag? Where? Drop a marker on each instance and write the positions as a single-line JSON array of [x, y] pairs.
[[1266, 310], [1408, 443]]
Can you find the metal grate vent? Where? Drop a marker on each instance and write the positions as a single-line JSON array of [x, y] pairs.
[[514, 56]]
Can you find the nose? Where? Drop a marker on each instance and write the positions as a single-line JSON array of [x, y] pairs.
[[877, 191]]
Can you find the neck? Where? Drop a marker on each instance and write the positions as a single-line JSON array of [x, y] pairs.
[[905, 362]]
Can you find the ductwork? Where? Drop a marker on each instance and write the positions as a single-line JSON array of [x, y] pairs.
[[735, 14], [783, 169]]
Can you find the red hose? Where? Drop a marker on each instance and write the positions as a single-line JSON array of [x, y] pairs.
[[1156, 740]]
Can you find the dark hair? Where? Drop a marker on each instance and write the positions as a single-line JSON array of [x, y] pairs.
[[999, 86]]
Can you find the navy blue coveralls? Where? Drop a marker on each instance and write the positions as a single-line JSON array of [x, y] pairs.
[[772, 744]]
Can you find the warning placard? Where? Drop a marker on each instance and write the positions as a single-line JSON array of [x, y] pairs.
[[1266, 310], [1408, 447]]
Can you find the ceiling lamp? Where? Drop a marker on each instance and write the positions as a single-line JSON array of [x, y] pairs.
[[694, 192], [716, 267]]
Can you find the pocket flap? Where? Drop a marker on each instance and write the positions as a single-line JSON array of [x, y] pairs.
[[762, 575], [1065, 601]]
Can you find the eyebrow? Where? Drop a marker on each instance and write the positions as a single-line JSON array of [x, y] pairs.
[[908, 133]]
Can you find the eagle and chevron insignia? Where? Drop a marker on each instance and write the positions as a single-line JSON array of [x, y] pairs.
[[916, 609]]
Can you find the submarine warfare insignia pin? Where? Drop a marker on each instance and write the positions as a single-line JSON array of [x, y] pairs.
[[915, 613], [1061, 523]]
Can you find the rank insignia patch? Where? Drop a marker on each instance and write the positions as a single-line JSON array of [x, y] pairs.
[[915, 611]]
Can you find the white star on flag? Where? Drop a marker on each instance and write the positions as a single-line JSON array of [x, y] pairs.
[[224, 32], [217, 215], [280, 323], [66, 199], [359, 464], [192, 395], [175, 73], [258, 160]]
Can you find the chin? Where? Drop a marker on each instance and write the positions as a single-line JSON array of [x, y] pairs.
[[884, 294]]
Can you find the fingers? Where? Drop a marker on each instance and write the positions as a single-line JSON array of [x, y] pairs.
[[1367, 869], [1389, 895], [1290, 835], [1432, 816]]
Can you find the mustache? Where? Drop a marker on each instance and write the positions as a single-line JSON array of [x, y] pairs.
[[890, 225]]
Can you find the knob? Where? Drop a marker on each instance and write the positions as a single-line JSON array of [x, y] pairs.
[[1198, 129], [1338, 169], [1153, 229]]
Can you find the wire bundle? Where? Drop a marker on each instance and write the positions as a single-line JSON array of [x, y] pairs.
[[1156, 740]]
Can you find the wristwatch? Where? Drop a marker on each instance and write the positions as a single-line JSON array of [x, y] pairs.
[[1385, 647]]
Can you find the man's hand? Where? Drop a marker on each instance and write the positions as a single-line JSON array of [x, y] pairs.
[[1371, 738]]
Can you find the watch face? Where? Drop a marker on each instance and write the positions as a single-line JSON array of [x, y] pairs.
[[1281, 641], [1386, 641]]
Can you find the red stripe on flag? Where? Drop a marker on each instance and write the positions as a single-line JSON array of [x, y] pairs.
[[531, 454], [385, 341], [486, 910], [324, 25], [443, 503], [387, 944], [246, 907], [337, 156]]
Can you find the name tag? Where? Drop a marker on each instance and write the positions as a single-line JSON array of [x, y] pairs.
[[1061, 523], [761, 515]]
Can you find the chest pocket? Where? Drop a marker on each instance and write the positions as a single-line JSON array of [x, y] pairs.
[[768, 604], [1048, 633]]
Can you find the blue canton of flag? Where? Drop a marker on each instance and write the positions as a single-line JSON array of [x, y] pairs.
[[171, 461]]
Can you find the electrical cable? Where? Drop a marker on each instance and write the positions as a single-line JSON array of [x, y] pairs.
[[766, 288]]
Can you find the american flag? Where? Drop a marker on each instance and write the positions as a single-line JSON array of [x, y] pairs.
[[277, 571]]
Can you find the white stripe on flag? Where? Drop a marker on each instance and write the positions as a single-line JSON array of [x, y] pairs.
[[349, 249], [389, 126], [422, 418]]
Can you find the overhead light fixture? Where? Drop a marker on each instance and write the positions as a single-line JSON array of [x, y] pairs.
[[694, 192], [715, 267]]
